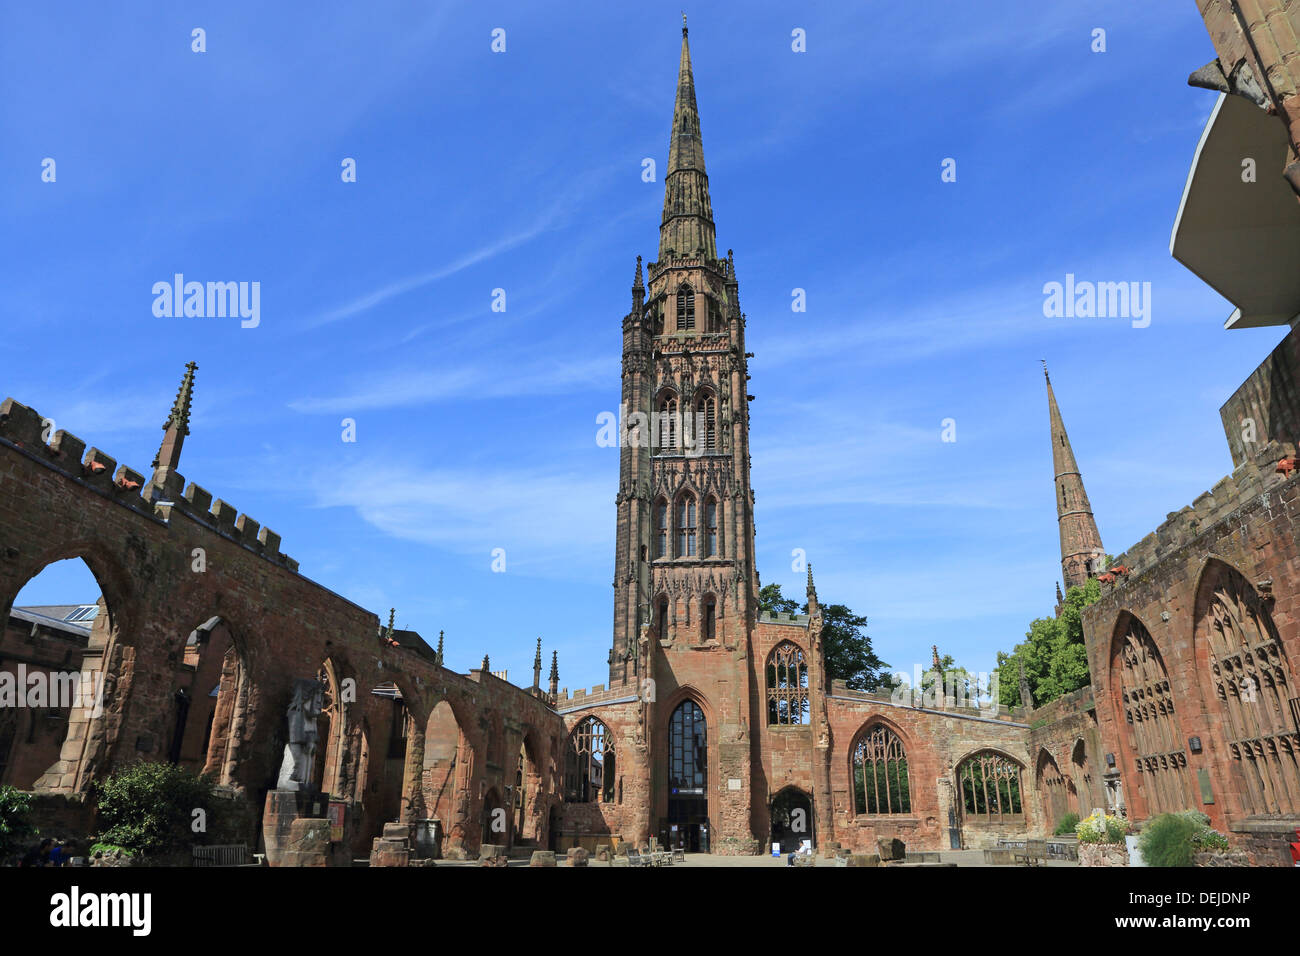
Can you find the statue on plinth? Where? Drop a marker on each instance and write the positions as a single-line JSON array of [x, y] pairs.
[[300, 751]]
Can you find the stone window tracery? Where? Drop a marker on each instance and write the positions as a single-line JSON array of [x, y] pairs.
[[1251, 679], [667, 425], [589, 769], [661, 528], [686, 310], [1148, 705], [990, 785], [880, 781], [706, 419], [787, 685], [711, 528], [686, 526]]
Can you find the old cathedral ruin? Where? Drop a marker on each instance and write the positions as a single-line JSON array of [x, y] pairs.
[[719, 724]]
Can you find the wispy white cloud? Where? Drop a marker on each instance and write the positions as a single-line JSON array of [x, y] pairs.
[[402, 286], [549, 523], [504, 379]]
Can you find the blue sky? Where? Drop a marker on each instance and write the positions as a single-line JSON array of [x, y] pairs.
[[521, 170]]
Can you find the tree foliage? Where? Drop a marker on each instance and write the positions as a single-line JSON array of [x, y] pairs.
[[849, 656], [15, 826], [148, 807], [1054, 656]]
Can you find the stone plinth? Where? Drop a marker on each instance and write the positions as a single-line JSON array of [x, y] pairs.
[[308, 843], [283, 808]]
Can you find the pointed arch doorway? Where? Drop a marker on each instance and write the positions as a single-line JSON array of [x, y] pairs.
[[686, 825]]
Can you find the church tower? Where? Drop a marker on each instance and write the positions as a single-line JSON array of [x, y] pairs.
[[1081, 547], [684, 562]]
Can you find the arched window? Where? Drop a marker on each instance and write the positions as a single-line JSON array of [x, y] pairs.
[[589, 768], [1052, 788], [990, 786], [661, 528], [711, 528], [787, 685], [1251, 679], [706, 423], [685, 310], [1154, 735], [666, 428], [880, 783], [686, 526], [688, 752], [708, 618]]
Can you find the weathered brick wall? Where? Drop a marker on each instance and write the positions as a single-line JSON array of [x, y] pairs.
[[1065, 731], [1260, 35], [139, 540], [784, 755], [936, 743], [1249, 524], [1266, 408], [31, 737]]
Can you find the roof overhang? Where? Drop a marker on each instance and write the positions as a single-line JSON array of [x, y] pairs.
[[1242, 238]]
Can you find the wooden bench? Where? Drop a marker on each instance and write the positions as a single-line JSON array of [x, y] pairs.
[[805, 859], [634, 858], [679, 855], [234, 854], [1034, 853]]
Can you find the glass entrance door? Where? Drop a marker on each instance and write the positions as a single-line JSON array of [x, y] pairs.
[[687, 824]]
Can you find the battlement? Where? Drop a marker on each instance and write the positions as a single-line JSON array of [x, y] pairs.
[[24, 429], [1254, 477], [840, 690], [783, 617], [600, 694]]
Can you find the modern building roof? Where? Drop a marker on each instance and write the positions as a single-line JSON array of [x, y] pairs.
[[1238, 230]]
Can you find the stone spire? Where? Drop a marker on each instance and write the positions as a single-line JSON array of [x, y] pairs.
[[1080, 541], [537, 666], [177, 425], [687, 227], [555, 675], [440, 634]]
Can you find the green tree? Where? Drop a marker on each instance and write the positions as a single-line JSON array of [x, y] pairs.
[[149, 807], [1053, 655], [15, 805], [849, 656]]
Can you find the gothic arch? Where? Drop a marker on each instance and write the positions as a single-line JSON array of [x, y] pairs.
[[990, 786], [1249, 680], [711, 526], [1082, 774], [878, 769], [685, 521], [666, 429], [1150, 729], [685, 301], [1052, 789], [705, 424], [786, 684], [591, 762], [709, 613]]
